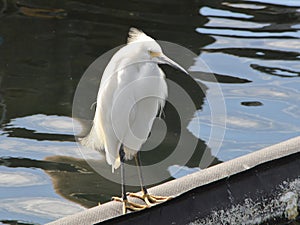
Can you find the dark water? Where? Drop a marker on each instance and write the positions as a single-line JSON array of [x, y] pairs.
[[252, 47]]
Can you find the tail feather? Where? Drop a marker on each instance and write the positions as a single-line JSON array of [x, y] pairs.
[[116, 164], [92, 140]]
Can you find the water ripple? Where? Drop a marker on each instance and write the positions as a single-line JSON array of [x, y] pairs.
[[247, 33], [285, 3], [39, 206], [208, 11], [20, 179], [47, 124]]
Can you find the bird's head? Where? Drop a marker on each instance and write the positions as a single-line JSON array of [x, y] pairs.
[[150, 49]]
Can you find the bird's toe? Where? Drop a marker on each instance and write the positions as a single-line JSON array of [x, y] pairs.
[[150, 200], [129, 205]]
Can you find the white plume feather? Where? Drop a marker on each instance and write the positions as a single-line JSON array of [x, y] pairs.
[[136, 35]]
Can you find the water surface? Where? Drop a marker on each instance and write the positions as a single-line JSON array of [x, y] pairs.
[[251, 46]]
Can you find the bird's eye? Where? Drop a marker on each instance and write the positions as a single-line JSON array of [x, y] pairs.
[[154, 54]]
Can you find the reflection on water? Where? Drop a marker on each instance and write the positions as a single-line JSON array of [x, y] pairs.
[[19, 179], [252, 47], [261, 41], [83, 186], [51, 208], [51, 124], [177, 171]]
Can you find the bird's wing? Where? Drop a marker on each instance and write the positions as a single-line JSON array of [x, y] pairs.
[[102, 135], [143, 91], [115, 107], [105, 115]]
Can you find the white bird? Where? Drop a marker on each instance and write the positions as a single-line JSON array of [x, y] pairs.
[[132, 92]]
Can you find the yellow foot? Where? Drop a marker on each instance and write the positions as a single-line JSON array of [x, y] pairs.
[[150, 199], [130, 205]]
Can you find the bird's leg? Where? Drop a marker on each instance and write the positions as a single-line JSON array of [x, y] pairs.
[[150, 200], [126, 204]]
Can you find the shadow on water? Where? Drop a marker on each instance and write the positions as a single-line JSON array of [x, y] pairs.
[[45, 46], [14, 222]]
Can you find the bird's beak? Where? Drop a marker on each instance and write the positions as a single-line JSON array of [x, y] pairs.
[[165, 60]]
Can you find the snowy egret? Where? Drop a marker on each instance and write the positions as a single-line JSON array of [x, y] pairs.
[[132, 92]]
